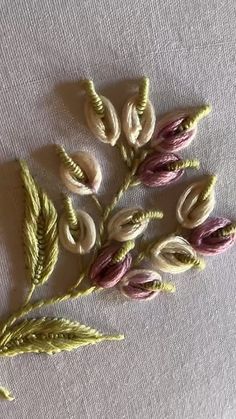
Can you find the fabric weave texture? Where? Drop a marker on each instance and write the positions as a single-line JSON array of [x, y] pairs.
[[178, 358]]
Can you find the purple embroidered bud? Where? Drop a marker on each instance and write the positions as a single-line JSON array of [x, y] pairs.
[[143, 284], [169, 135], [214, 236], [177, 129], [160, 169], [111, 264]]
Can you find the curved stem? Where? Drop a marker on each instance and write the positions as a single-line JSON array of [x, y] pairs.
[[97, 202], [29, 296], [127, 183], [26, 309]]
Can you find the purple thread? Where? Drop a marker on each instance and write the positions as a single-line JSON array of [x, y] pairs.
[[206, 242], [134, 290], [154, 172], [169, 137], [104, 272]]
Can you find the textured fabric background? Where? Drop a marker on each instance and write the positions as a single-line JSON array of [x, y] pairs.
[[178, 359]]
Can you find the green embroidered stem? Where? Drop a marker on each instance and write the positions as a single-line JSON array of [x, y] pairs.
[[97, 202], [141, 256], [30, 293], [190, 122], [95, 99], [69, 163], [127, 154], [127, 183], [6, 394], [183, 164], [26, 309], [143, 96]]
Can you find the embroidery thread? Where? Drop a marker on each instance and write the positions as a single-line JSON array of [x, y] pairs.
[[112, 245]]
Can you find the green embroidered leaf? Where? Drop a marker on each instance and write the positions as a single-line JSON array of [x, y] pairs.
[[40, 230], [49, 336], [6, 394]]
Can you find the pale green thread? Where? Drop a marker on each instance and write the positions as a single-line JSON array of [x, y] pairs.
[[126, 154], [97, 202], [80, 279], [143, 253], [69, 163], [6, 394], [191, 121], [70, 213], [26, 309], [141, 256], [40, 230], [39, 211], [183, 164], [142, 96], [190, 260], [30, 293], [167, 287], [49, 335], [227, 231], [95, 99], [142, 216], [123, 251], [160, 286], [127, 183], [208, 188]]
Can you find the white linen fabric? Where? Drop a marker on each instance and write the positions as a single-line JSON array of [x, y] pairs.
[[178, 358]]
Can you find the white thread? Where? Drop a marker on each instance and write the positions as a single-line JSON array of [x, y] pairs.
[[121, 228], [92, 170], [107, 129], [138, 130], [164, 251], [148, 274], [190, 211], [86, 233], [169, 118]]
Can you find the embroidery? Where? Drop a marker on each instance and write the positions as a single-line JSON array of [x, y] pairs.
[[117, 252]]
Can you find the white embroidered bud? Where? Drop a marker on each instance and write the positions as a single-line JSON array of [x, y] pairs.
[[79, 238], [196, 203], [90, 180], [174, 255], [138, 128], [129, 223], [104, 127]]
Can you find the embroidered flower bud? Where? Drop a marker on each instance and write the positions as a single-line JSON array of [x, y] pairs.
[[213, 237], [77, 230], [196, 203], [101, 116], [111, 264], [177, 129], [138, 117], [80, 173], [159, 169], [129, 223], [143, 284], [174, 255]]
